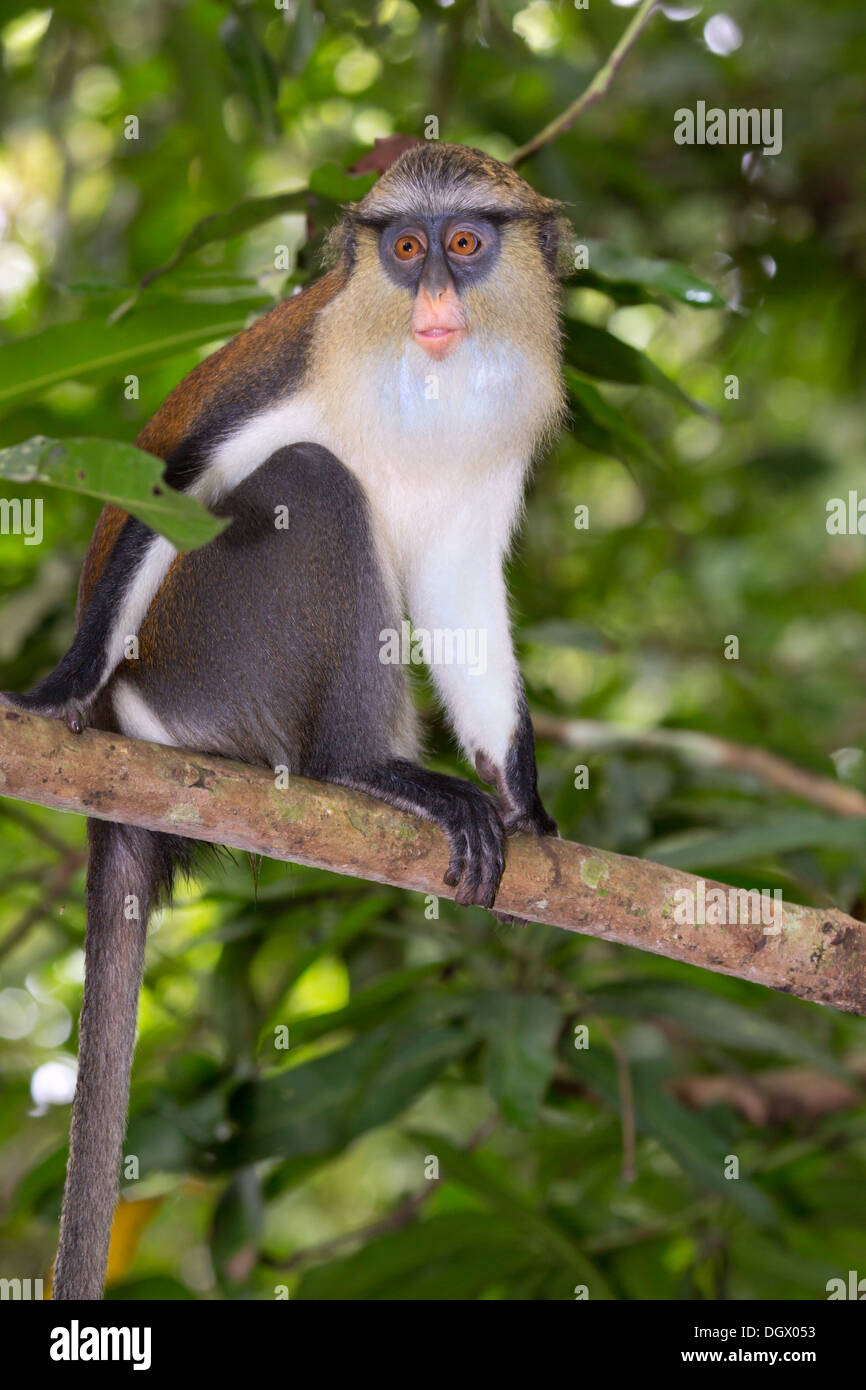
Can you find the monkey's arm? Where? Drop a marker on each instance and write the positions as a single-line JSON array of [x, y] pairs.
[[458, 588]]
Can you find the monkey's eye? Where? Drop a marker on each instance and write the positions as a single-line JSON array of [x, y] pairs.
[[464, 243], [407, 247]]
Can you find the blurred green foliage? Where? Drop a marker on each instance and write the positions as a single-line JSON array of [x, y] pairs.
[[417, 1040]]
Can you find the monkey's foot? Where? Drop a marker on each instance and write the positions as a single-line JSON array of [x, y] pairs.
[[532, 820], [72, 712]]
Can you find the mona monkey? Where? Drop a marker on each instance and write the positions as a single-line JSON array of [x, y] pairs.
[[393, 407]]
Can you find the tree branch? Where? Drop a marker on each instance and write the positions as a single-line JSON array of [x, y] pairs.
[[597, 88], [778, 1095], [707, 751], [818, 954]]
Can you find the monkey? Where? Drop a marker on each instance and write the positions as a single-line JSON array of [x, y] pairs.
[[390, 413]]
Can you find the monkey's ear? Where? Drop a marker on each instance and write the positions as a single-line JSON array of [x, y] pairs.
[[339, 243], [557, 236], [550, 238]]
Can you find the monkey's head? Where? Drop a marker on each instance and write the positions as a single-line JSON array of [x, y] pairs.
[[454, 246]]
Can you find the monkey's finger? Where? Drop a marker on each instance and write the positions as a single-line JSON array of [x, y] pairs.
[[491, 866], [459, 846], [486, 862], [481, 881]]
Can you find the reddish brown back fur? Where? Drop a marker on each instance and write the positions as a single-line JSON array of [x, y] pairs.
[[260, 345]]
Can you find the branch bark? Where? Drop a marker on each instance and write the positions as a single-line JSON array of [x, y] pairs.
[[597, 88], [816, 953]]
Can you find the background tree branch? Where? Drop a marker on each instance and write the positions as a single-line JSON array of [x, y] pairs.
[[596, 89], [818, 954], [705, 750]]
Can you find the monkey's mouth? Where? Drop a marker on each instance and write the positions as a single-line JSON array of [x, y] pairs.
[[439, 340]]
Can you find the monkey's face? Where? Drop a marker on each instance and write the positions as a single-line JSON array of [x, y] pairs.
[[439, 258], [452, 254], [450, 260]]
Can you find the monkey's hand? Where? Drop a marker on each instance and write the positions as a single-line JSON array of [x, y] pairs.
[[466, 815], [476, 838]]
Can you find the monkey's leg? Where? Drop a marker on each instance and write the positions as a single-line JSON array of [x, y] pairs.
[[458, 588], [127, 869]]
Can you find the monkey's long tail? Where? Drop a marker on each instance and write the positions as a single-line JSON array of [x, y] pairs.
[[129, 869]]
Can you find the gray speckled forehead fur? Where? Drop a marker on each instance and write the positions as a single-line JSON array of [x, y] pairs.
[[434, 178]]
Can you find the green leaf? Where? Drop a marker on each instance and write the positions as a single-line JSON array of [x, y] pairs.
[[356, 918], [118, 473], [598, 353], [41, 1189], [713, 1018], [176, 1138], [291, 1174], [304, 34], [601, 427], [367, 1006], [537, 1229], [94, 349], [321, 1105], [222, 226], [798, 1262], [253, 69], [774, 834], [699, 1148], [621, 294], [520, 1052], [237, 1223], [331, 182], [456, 1255], [610, 262]]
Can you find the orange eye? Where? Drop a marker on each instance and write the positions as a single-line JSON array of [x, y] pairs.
[[464, 243], [407, 247]]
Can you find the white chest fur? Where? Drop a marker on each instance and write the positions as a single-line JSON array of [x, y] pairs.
[[429, 442]]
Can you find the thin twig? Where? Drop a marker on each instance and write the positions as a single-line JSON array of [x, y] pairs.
[[596, 89]]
